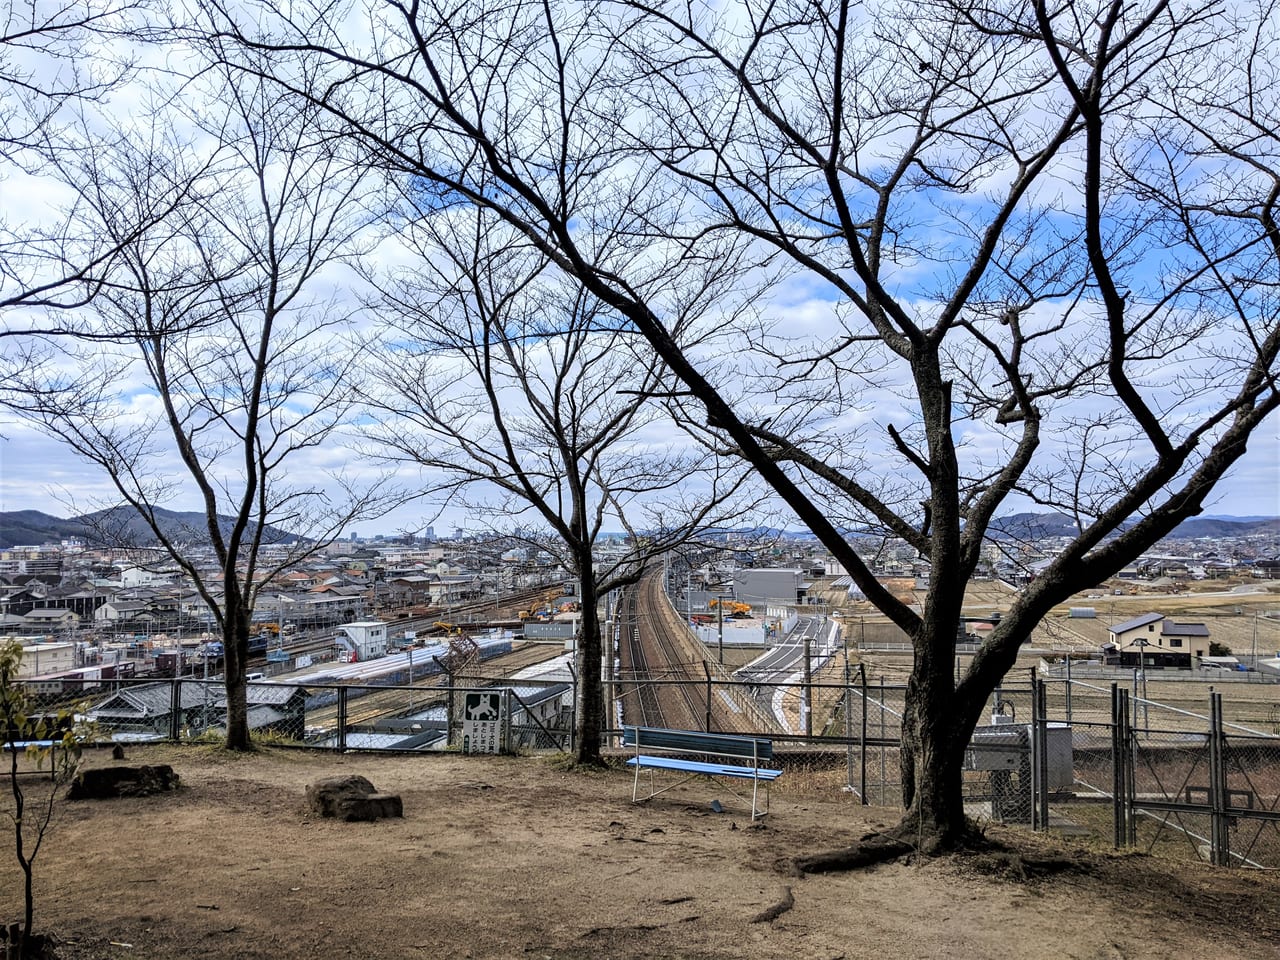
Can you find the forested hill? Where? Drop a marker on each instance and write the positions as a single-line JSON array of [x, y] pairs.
[[1039, 526], [119, 526]]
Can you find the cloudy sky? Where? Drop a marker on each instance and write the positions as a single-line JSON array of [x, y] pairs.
[[38, 473]]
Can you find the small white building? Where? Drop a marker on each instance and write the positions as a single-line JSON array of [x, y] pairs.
[[366, 639], [142, 577], [41, 658]]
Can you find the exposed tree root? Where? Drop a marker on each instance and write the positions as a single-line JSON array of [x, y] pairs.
[[872, 849], [904, 840], [777, 910], [1011, 865], [979, 853]]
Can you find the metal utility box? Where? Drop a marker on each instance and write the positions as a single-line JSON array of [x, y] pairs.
[[1005, 746], [997, 748], [1059, 768]]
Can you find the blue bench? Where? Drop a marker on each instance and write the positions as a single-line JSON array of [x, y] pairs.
[[657, 748]]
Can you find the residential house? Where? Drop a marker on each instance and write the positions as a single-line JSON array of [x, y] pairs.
[[52, 618], [446, 590], [147, 710], [21, 599], [408, 590], [11, 623], [1153, 640], [123, 611]]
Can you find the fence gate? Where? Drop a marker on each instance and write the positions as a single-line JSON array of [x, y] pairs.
[[1212, 792]]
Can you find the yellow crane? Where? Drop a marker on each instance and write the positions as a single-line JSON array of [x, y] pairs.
[[734, 608]]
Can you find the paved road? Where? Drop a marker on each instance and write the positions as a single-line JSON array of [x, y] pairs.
[[785, 659]]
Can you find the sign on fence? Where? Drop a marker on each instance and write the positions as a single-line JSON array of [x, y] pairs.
[[482, 722]]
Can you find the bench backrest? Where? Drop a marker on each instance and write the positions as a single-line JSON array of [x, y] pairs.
[[691, 741]]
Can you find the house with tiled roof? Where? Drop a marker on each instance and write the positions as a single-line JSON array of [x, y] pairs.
[[148, 709], [124, 610], [52, 618], [1155, 641]]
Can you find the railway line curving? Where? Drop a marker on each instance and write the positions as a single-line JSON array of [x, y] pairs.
[[664, 674]]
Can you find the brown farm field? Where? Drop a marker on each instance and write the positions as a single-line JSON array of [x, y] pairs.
[[1241, 615], [509, 857]]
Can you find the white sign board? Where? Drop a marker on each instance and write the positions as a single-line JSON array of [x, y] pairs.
[[482, 722]]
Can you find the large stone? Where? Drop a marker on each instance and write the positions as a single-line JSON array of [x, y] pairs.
[[104, 783], [352, 798]]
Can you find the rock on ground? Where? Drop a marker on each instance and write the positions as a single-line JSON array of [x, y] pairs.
[[104, 783], [352, 798]]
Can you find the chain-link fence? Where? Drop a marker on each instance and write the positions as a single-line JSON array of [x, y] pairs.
[[1073, 756], [534, 715], [1164, 779]]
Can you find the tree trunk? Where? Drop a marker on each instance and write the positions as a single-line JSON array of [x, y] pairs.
[[590, 706], [937, 725], [235, 645], [932, 781]]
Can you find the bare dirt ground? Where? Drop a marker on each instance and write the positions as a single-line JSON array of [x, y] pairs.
[[519, 857]]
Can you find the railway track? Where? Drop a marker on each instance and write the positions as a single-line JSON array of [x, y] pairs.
[[663, 679], [639, 697], [463, 615], [383, 703]]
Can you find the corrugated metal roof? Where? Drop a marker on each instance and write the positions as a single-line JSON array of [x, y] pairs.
[[1136, 622]]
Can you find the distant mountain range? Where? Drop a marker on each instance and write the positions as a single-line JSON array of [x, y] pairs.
[[118, 526], [1037, 526], [122, 526]]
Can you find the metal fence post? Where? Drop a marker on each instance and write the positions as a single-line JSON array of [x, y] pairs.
[[505, 724], [1220, 827], [342, 719], [862, 740], [1130, 753], [1039, 756], [175, 710], [707, 672], [1119, 790], [1068, 690]]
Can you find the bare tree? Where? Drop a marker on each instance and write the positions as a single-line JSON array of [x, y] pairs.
[[60, 62], [52, 739], [523, 400], [1046, 236], [220, 367]]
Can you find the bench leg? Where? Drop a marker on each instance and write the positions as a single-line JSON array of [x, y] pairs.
[[635, 786]]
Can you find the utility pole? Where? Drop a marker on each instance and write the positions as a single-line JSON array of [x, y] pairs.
[[808, 688]]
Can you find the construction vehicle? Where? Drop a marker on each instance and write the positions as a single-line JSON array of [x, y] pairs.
[[734, 608]]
